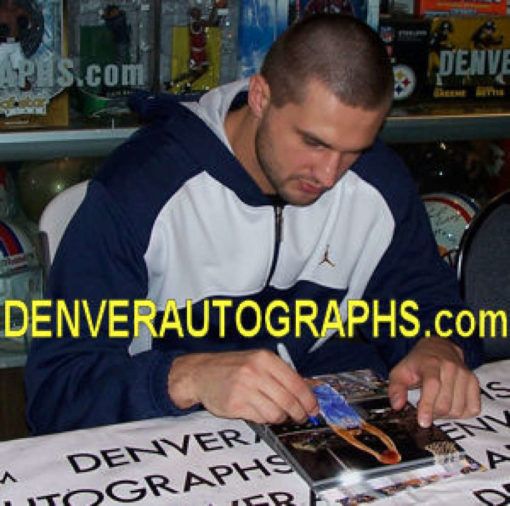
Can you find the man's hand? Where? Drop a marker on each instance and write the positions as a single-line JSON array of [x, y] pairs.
[[254, 385], [448, 388]]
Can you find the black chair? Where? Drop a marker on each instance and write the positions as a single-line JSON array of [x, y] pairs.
[[483, 270]]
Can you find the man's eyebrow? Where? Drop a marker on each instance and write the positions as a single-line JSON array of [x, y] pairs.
[[313, 138]]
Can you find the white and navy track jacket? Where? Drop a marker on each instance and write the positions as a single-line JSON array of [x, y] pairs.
[[172, 215]]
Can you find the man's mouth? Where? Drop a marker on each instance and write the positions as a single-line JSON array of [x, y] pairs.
[[308, 187]]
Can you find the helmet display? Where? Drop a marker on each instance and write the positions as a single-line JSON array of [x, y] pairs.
[[449, 215], [20, 271]]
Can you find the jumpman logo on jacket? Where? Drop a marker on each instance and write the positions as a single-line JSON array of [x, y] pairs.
[[326, 259]]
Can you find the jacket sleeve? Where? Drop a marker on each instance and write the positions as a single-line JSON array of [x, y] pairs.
[[411, 269], [77, 382]]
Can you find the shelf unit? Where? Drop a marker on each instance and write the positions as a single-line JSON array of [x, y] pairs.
[[446, 127], [403, 126], [47, 144], [13, 352]]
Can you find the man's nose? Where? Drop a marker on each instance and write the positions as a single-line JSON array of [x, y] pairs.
[[328, 170]]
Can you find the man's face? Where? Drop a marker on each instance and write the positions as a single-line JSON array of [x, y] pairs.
[[304, 149]]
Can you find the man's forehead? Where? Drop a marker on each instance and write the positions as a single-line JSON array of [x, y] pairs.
[[341, 128], [315, 91]]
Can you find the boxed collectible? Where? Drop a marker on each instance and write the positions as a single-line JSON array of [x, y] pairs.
[[111, 50], [407, 43], [366, 10], [261, 22], [33, 70], [359, 437], [464, 7], [469, 57], [198, 44]]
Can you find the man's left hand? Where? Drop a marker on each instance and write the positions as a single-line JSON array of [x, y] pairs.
[[448, 388]]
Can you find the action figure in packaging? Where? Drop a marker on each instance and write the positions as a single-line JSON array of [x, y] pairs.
[[111, 48], [469, 57], [439, 41], [115, 20], [407, 43], [198, 44], [262, 21], [197, 61], [32, 67], [15, 22]]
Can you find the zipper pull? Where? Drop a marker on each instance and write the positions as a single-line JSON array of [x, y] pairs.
[[278, 211]]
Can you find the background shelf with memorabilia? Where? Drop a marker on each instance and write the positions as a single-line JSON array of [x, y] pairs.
[[67, 68]]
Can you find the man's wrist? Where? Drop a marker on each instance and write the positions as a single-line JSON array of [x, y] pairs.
[[180, 382], [441, 343]]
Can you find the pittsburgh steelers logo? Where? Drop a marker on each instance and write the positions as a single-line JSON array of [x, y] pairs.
[[405, 81]]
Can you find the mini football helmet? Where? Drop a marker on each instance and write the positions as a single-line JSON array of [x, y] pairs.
[[449, 215], [20, 270]]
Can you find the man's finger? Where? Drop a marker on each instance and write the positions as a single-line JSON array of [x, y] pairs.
[[430, 388], [451, 395], [459, 399], [268, 410], [402, 378], [397, 392], [293, 383], [258, 414], [473, 403], [283, 398]]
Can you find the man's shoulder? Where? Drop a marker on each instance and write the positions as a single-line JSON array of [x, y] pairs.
[[381, 166], [177, 144], [146, 164], [143, 174], [383, 169], [159, 157]]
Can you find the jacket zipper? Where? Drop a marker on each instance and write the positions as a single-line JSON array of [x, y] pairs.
[[278, 237]]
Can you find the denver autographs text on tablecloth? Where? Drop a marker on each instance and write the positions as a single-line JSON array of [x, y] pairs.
[[197, 460]]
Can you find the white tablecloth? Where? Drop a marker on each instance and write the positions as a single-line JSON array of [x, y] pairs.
[[202, 460]]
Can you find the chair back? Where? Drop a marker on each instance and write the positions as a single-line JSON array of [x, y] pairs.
[[484, 272], [55, 218]]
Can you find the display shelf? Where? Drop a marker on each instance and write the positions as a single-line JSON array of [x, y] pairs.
[[8, 360], [13, 351], [418, 124], [433, 122], [47, 144]]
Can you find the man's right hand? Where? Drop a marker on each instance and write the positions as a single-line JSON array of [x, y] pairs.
[[254, 385]]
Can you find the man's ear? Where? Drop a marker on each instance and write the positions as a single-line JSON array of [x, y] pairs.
[[259, 95]]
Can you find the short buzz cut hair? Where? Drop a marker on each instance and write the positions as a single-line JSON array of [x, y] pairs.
[[339, 51]]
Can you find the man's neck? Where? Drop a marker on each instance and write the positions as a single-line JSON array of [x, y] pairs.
[[241, 128]]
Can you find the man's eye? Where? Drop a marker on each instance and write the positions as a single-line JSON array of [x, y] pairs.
[[312, 142]]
